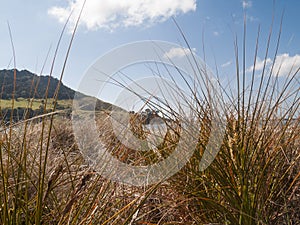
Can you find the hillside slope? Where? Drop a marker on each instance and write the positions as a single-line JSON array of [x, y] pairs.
[[30, 85], [31, 88]]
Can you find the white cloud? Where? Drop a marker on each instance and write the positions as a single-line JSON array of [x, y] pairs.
[[247, 4], [259, 65], [286, 64], [111, 14], [216, 33], [283, 66], [178, 52], [226, 64], [252, 18]]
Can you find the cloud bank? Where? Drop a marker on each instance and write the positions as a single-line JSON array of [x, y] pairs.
[[111, 14], [178, 52], [284, 64]]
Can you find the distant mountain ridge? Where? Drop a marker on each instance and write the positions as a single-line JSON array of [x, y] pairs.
[[26, 84]]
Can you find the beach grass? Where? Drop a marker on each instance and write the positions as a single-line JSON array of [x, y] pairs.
[[254, 179]]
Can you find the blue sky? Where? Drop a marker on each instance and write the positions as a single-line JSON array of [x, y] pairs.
[[106, 24]]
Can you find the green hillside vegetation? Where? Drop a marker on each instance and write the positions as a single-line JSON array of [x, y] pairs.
[[30, 97], [34, 104], [30, 85]]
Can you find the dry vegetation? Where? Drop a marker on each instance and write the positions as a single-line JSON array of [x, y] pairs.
[[254, 179]]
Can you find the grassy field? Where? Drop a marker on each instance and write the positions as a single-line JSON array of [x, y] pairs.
[[33, 103]]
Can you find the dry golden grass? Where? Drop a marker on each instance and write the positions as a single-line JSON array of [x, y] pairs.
[[255, 178]]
